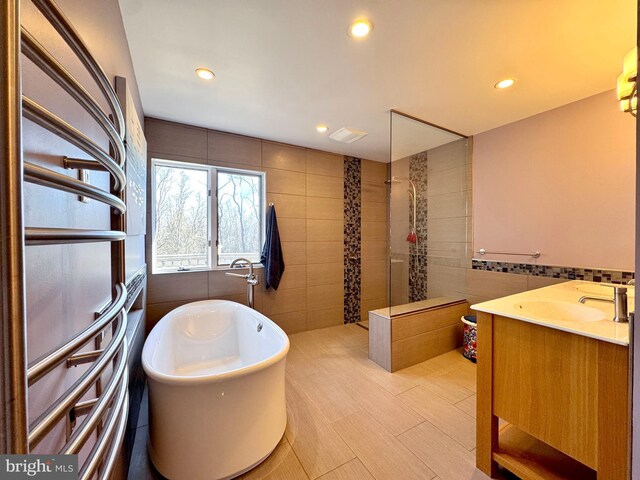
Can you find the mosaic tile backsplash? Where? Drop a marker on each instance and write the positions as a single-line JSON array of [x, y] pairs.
[[352, 240], [570, 273]]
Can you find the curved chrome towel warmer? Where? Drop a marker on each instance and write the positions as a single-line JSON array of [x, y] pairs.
[[106, 415]]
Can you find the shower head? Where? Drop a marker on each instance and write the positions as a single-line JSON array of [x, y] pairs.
[[400, 180], [393, 180]]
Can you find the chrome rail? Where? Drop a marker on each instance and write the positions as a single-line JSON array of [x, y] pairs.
[[535, 254], [48, 178], [35, 52], [118, 379], [63, 26], [115, 421], [43, 117], [54, 236], [81, 163], [13, 389], [47, 362], [110, 458], [52, 415], [107, 413], [84, 357]]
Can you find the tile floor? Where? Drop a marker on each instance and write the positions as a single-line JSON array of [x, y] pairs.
[[349, 419]]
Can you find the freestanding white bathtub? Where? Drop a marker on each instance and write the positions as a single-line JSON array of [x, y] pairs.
[[216, 390]]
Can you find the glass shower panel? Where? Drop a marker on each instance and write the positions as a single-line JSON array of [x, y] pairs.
[[429, 192]]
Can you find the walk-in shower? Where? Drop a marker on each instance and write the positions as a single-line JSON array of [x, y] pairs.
[[429, 192]]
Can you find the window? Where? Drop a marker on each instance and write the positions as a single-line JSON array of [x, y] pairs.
[[239, 216], [188, 219]]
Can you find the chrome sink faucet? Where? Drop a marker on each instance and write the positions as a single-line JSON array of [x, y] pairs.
[[619, 302], [251, 278]]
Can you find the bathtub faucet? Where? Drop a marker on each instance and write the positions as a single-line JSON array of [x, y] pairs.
[[251, 278]]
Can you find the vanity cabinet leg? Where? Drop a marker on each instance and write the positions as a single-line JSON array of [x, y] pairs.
[[487, 422]]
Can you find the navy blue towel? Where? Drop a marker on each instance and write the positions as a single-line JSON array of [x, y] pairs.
[[271, 256]]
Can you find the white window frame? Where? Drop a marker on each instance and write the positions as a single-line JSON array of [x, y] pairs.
[[212, 210]]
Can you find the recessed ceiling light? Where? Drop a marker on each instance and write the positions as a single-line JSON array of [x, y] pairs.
[[506, 83], [322, 128], [360, 28], [205, 73]]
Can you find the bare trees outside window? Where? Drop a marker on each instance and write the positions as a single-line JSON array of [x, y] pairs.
[[239, 216], [181, 218], [183, 221]]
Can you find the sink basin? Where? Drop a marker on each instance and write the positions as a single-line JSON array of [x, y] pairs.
[[565, 311]]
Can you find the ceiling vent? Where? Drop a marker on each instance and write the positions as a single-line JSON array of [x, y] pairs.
[[347, 135]]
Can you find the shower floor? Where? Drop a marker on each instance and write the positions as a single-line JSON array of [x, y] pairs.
[[350, 419]]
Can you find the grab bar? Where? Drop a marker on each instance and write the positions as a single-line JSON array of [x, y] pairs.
[[535, 254]]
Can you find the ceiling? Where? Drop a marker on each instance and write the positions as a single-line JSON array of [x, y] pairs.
[[409, 136], [284, 66]]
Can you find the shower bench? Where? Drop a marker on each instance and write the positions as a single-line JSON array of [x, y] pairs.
[[405, 335]]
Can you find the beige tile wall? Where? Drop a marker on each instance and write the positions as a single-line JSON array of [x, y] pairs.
[[307, 188], [374, 233]]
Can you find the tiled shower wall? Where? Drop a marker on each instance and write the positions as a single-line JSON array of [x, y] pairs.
[[418, 276], [442, 177]]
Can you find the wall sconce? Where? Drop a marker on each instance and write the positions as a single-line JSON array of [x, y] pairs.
[[627, 84]]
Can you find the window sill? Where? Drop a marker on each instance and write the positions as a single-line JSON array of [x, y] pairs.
[[220, 268]]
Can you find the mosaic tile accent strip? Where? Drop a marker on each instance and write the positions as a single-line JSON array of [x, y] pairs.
[[418, 250], [352, 240], [570, 273]]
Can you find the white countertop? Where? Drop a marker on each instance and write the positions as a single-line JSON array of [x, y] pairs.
[[557, 307]]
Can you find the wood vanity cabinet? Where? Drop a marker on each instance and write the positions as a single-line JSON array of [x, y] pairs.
[[563, 397]]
